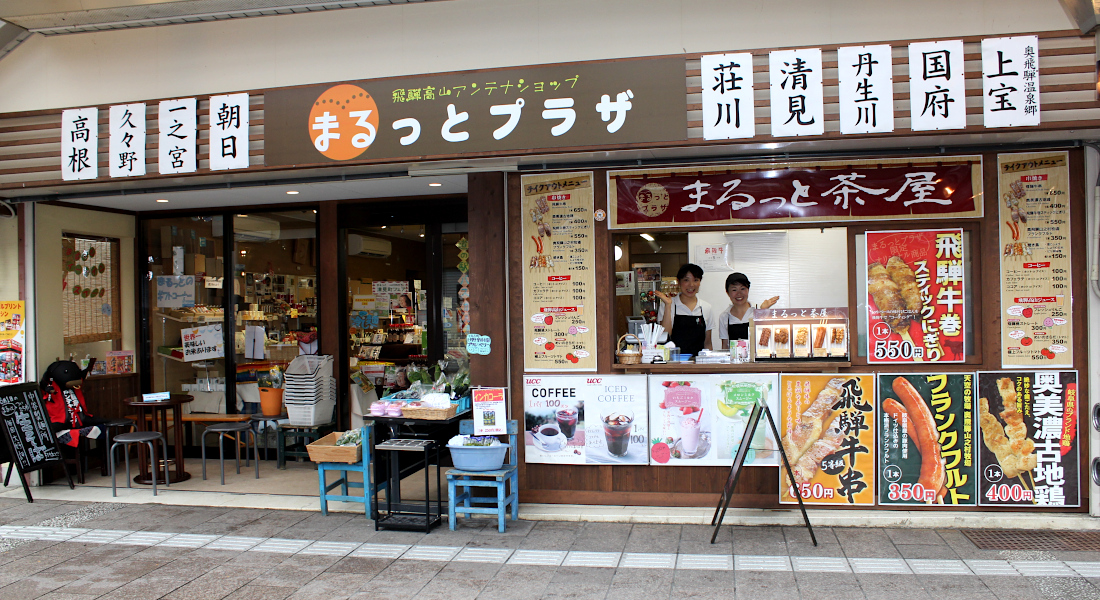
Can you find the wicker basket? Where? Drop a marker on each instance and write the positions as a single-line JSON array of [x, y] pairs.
[[626, 359], [430, 414], [326, 450]]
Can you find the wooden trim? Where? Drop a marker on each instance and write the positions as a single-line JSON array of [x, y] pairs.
[[488, 275], [332, 339]]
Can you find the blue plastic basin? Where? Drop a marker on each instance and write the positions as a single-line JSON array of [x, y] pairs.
[[479, 458]]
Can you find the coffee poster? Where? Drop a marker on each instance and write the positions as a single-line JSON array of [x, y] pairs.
[[828, 428], [1029, 451], [570, 419], [1036, 271], [700, 420], [559, 285], [926, 439]]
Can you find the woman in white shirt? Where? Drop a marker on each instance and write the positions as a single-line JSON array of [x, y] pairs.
[[686, 317], [733, 324]]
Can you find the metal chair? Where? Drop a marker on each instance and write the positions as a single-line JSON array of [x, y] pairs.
[[493, 479], [140, 437], [109, 428], [231, 428]]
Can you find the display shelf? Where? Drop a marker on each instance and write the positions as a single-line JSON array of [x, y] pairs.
[[197, 319], [793, 366], [169, 357]]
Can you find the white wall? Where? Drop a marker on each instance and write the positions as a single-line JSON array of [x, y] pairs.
[[386, 41]]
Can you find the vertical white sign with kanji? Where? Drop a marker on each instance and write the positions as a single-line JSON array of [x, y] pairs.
[[126, 145], [798, 106], [727, 96], [79, 144], [866, 85], [178, 130], [937, 87], [229, 132], [1010, 81]]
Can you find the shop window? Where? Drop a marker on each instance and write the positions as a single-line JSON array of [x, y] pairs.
[[91, 311]]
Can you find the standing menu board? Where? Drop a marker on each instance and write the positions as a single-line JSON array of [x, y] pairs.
[[559, 285], [828, 427], [926, 439], [915, 295], [28, 438], [575, 419], [1029, 455], [1036, 277]]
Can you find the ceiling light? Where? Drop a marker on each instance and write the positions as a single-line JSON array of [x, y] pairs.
[[292, 192], [647, 237], [242, 215], [422, 235], [618, 252], [434, 184], [383, 227], [162, 200], [314, 211]]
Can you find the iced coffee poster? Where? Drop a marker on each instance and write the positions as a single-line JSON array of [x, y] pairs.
[[1028, 455], [926, 438], [617, 428], [828, 427]]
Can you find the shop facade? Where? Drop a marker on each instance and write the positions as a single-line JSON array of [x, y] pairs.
[[587, 182]]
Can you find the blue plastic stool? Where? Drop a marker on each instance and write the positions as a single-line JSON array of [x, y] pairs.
[[493, 479], [370, 490]]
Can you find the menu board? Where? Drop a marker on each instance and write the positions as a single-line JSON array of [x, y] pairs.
[[828, 426], [559, 285], [915, 296], [1029, 455], [570, 419], [26, 428], [1036, 276], [13, 317], [926, 439]]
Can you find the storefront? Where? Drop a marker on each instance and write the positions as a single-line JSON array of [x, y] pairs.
[[894, 230]]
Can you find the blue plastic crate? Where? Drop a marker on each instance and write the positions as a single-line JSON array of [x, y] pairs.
[[479, 458]]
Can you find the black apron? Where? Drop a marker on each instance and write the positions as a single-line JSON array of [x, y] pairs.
[[689, 333], [738, 331]]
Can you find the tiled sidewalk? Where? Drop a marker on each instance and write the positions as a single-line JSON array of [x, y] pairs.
[[78, 551]]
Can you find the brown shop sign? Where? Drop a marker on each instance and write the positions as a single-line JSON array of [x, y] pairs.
[[524, 108]]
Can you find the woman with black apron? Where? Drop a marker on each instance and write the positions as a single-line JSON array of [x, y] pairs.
[[686, 317], [733, 324]]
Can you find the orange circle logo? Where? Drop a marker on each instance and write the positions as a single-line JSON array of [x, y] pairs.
[[343, 122]]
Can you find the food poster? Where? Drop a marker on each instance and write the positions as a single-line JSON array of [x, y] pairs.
[[617, 428], [553, 419], [559, 284], [915, 295], [926, 439], [1029, 452], [13, 315], [828, 427], [1036, 275], [734, 397]]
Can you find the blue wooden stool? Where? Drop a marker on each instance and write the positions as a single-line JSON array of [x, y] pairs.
[[370, 490], [493, 479]]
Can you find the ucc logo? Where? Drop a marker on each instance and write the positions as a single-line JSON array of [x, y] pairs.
[[343, 122], [595, 381]]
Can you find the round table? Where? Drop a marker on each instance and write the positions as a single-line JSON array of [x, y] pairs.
[[160, 409]]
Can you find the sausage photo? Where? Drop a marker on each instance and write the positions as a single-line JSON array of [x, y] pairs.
[[922, 427]]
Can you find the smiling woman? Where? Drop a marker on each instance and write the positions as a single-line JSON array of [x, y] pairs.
[[686, 317]]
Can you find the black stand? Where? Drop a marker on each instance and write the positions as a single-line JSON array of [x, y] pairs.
[[739, 461]]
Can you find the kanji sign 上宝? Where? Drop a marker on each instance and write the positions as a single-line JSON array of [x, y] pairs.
[[588, 104], [1010, 81], [916, 289], [849, 191]]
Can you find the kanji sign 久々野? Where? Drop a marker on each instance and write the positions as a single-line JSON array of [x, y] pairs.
[[915, 296]]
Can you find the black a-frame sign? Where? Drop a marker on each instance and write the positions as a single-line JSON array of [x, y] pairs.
[[761, 408], [28, 441]]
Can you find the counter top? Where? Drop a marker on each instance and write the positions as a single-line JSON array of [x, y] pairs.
[[795, 366]]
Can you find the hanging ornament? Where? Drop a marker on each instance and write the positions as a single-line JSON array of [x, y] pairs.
[[91, 252], [464, 279], [464, 266], [76, 289], [463, 244], [464, 255], [464, 292]]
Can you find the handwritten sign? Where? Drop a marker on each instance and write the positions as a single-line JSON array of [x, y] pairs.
[[175, 291], [26, 428], [490, 411], [478, 344], [201, 343]]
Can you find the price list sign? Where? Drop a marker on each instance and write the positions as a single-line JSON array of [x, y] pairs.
[[559, 285], [1036, 321]]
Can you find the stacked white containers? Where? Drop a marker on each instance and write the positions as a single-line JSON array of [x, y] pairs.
[[310, 393]]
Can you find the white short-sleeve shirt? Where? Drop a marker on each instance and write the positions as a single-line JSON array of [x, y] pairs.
[[702, 309], [726, 319]]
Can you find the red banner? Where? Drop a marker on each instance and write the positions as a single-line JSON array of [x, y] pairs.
[[915, 296], [860, 190]]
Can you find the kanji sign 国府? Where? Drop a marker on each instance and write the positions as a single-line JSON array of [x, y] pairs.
[[584, 104], [916, 287], [857, 190]]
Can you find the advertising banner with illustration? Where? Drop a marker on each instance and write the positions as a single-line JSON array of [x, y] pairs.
[[490, 411], [699, 420], [828, 427], [573, 419], [559, 284], [1036, 274], [926, 439], [13, 315], [1029, 453], [915, 296]]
